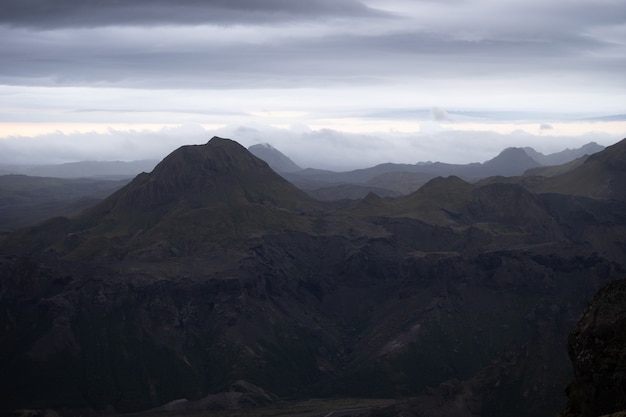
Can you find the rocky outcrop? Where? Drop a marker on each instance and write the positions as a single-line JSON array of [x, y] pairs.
[[241, 394], [597, 349]]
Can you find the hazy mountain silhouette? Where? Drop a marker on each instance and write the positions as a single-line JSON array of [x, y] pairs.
[[565, 156], [278, 161], [86, 169], [26, 200], [405, 178]]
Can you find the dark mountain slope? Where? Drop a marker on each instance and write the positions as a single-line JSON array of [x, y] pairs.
[[349, 192], [597, 350], [219, 173], [554, 170], [603, 175], [218, 187], [213, 269], [401, 182], [28, 200], [472, 218]]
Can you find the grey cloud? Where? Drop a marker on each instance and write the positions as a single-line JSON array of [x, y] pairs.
[[77, 58], [77, 13], [524, 38], [545, 126], [440, 115], [437, 51], [115, 145]]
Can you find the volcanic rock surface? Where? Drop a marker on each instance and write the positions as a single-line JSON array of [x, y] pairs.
[[597, 349]]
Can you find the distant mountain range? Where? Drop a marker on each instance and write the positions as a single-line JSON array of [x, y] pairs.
[[83, 169], [214, 277], [511, 161], [389, 179], [26, 200], [565, 156], [55, 189]]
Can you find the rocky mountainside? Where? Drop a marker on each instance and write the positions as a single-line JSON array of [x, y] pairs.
[[597, 349], [213, 271]]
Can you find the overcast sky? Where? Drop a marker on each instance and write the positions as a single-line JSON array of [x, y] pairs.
[[332, 83]]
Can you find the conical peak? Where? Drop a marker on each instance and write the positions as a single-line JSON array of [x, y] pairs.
[[217, 142], [514, 151], [220, 172], [511, 155], [215, 147], [217, 157], [440, 184]]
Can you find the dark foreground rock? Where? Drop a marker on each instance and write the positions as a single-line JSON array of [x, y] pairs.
[[597, 349]]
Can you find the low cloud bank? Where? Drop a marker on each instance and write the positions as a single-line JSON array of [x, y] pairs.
[[325, 148]]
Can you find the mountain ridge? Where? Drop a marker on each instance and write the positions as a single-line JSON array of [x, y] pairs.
[[509, 162], [85, 169], [564, 156], [601, 175], [277, 160]]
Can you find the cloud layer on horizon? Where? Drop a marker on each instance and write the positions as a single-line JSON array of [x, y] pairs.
[[325, 149]]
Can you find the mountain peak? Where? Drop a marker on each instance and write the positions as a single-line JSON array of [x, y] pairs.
[[278, 161], [512, 152], [263, 145], [217, 141], [510, 162], [218, 173]]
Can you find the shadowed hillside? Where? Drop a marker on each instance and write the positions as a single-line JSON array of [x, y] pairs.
[[213, 277], [602, 175], [25, 200]]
